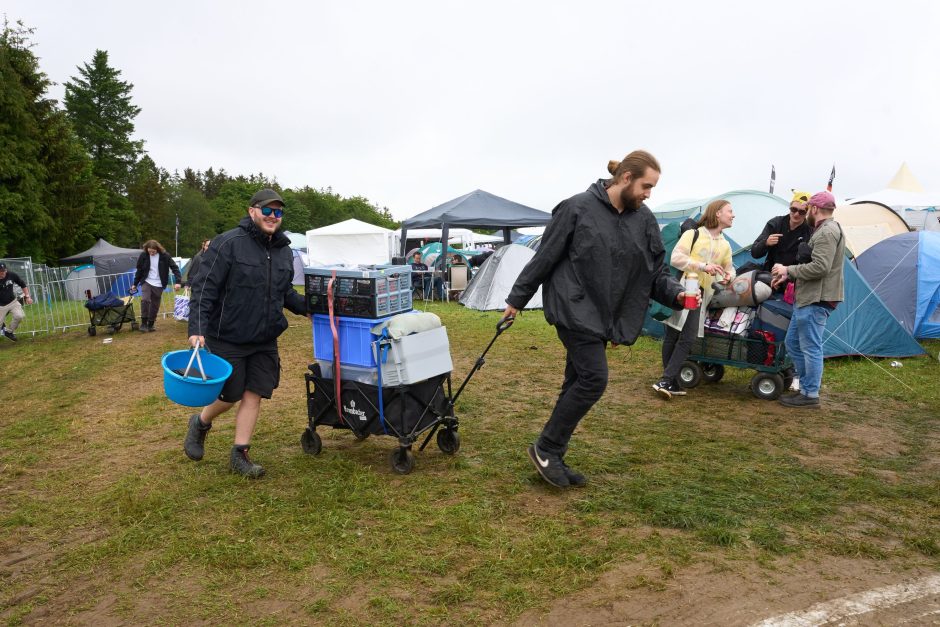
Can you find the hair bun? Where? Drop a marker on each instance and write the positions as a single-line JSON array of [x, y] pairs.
[[612, 166]]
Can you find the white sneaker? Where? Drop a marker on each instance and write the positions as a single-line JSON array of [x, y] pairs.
[[795, 386]]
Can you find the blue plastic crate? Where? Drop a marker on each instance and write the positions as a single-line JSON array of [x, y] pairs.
[[355, 339]]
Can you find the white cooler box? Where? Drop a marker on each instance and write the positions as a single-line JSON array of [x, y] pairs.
[[414, 357]]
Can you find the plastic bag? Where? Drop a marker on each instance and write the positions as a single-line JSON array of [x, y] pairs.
[[181, 307]]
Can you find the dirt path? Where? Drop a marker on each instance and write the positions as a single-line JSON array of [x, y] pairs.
[[831, 591]]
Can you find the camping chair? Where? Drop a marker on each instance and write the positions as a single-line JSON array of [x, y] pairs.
[[457, 279]]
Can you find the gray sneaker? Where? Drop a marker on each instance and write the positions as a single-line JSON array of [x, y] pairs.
[[801, 401], [194, 444], [575, 478], [240, 464], [549, 466]]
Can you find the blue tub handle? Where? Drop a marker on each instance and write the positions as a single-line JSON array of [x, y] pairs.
[[198, 359]]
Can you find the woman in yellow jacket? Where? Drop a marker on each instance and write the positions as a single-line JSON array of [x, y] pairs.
[[708, 257]]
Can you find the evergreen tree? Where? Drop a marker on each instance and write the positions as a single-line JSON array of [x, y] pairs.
[[47, 189], [99, 105], [148, 192]]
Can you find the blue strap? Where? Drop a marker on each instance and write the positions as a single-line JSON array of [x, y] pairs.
[[383, 351]]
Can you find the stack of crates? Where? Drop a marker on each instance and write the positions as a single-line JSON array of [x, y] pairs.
[[362, 299]]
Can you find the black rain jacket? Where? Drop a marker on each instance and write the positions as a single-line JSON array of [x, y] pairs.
[[598, 268], [165, 263], [242, 285], [785, 251]]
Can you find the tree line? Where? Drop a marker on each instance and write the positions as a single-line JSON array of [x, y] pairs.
[[71, 174]]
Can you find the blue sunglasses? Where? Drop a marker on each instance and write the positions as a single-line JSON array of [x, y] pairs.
[[277, 211]]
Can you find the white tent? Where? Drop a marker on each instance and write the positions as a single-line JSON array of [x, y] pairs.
[[298, 241], [906, 196], [351, 242], [465, 238], [867, 223], [493, 281]]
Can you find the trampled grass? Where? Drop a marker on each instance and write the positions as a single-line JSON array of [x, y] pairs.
[[103, 516]]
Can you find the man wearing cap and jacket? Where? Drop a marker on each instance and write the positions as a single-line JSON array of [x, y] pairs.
[[783, 235], [9, 303], [240, 289], [819, 289]]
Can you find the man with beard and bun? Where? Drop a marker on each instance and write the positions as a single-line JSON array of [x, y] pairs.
[[240, 289], [600, 260], [819, 289]]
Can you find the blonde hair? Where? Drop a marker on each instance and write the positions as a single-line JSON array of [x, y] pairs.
[[709, 219], [636, 163]]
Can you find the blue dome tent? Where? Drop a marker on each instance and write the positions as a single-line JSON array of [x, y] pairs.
[[905, 273]]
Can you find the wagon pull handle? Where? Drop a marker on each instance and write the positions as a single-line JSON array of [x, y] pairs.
[[198, 359], [504, 324]]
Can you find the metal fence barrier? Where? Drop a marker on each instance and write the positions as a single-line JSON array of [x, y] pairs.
[[59, 305]]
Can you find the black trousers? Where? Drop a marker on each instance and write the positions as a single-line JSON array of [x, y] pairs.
[[677, 344], [585, 382]]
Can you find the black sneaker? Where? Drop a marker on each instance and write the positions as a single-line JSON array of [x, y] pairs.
[[550, 467], [9, 335], [194, 444], [799, 400], [575, 478], [239, 463], [662, 388], [676, 389]]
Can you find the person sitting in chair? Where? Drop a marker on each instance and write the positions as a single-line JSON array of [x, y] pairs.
[[420, 280]]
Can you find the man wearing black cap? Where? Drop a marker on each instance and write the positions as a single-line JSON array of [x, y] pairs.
[[9, 303], [240, 289]]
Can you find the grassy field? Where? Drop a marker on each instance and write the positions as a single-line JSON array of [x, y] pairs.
[[103, 519]]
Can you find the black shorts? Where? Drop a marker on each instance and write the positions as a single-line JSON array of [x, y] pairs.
[[255, 367]]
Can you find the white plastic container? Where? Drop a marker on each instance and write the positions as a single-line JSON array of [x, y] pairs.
[[359, 374], [414, 357]]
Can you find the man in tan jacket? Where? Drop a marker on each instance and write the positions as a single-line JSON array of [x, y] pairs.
[[819, 288]]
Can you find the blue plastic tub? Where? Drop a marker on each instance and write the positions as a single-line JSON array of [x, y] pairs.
[[192, 391]]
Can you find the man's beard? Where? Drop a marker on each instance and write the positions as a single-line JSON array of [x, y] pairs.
[[629, 201]]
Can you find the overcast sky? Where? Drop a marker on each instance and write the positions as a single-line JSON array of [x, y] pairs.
[[413, 103]]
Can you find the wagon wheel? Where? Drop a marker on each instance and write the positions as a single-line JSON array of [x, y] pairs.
[[116, 327], [788, 376], [310, 442], [92, 331], [448, 440], [402, 460], [767, 386], [713, 372], [690, 374]]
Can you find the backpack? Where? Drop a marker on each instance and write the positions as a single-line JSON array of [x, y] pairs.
[[658, 311]]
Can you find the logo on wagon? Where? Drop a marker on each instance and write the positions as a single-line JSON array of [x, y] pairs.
[[351, 409]]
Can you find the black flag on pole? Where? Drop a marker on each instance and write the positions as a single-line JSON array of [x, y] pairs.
[[832, 177], [773, 178]]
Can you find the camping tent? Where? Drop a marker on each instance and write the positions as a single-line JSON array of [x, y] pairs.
[[107, 259], [351, 242], [860, 325], [904, 271], [905, 195], [298, 241], [493, 281], [867, 223], [752, 210], [479, 210], [81, 280]]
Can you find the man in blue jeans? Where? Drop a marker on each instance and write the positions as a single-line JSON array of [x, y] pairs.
[[600, 261], [819, 288]]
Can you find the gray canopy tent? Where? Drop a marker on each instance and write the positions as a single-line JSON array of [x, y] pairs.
[[476, 210], [107, 258]]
